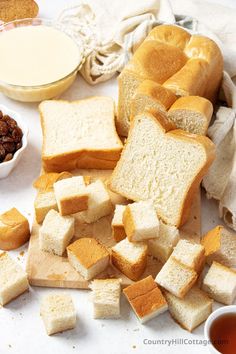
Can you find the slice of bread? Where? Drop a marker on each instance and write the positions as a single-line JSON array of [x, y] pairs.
[[146, 299], [14, 230], [220, 246], [190, 311], [140, 221], [44, 202], [117, 226], [176, 277], [163, 166], [58, 312], [220, 283], [191, 113], [191, 254], [13, 279], [88, 257], [71, 195], [106, 298], [79, 134], [56, 232], [162, 247], [99, 202], [151, 96], [130, 258]]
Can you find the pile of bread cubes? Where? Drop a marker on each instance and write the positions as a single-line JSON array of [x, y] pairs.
[[179, 287], [168, 84]]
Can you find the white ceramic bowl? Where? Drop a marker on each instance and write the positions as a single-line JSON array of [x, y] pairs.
[[7, 167], [217, 313]]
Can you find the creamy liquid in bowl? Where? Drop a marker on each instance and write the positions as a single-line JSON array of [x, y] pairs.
[[36, 55]]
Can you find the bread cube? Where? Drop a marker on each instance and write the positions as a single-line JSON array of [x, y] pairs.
[[44, 202], [14, 230], [56, 232], [117, 226], [190, 311], [140, 221], [58, 313], [162, 247], [88, 257], [191, 254], [99, 202], [146, 299], [71, 195], [220, 246], [220, 283], [176, 277], [106, 298], [130, 258], [13, 280]]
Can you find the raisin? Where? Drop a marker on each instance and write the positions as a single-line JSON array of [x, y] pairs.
[[17, 134], [18, 145], [3, 128], [8, 157], [9, 147], [2, 152], [6, 139]]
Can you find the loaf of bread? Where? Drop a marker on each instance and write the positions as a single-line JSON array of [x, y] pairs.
[[163, 166], [79, 134], [14, 230], [184, 64]]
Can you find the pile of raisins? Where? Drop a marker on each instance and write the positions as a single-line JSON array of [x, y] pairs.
[[10, 137]]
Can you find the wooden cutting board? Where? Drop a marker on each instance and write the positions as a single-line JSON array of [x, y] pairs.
[[48, 270]]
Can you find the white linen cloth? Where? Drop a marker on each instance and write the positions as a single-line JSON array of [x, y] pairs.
[[109, 31]]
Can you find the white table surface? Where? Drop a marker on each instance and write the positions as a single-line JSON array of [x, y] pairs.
[[21, 328]]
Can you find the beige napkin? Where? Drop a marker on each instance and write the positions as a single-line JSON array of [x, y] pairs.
[[110, 31]]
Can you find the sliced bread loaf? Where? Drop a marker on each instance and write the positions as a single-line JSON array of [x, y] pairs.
[[153, 60], [79, 134], [191, 113], [164, 166]]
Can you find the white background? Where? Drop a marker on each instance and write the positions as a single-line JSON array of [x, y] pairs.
[[21, 328]]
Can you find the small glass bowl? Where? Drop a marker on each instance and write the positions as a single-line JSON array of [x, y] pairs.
[[46, 91]]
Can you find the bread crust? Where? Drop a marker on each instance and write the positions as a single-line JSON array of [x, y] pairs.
[[118, 232], [72, 205], [15, 230], [84, 158], [170, 34], [129, 224]]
